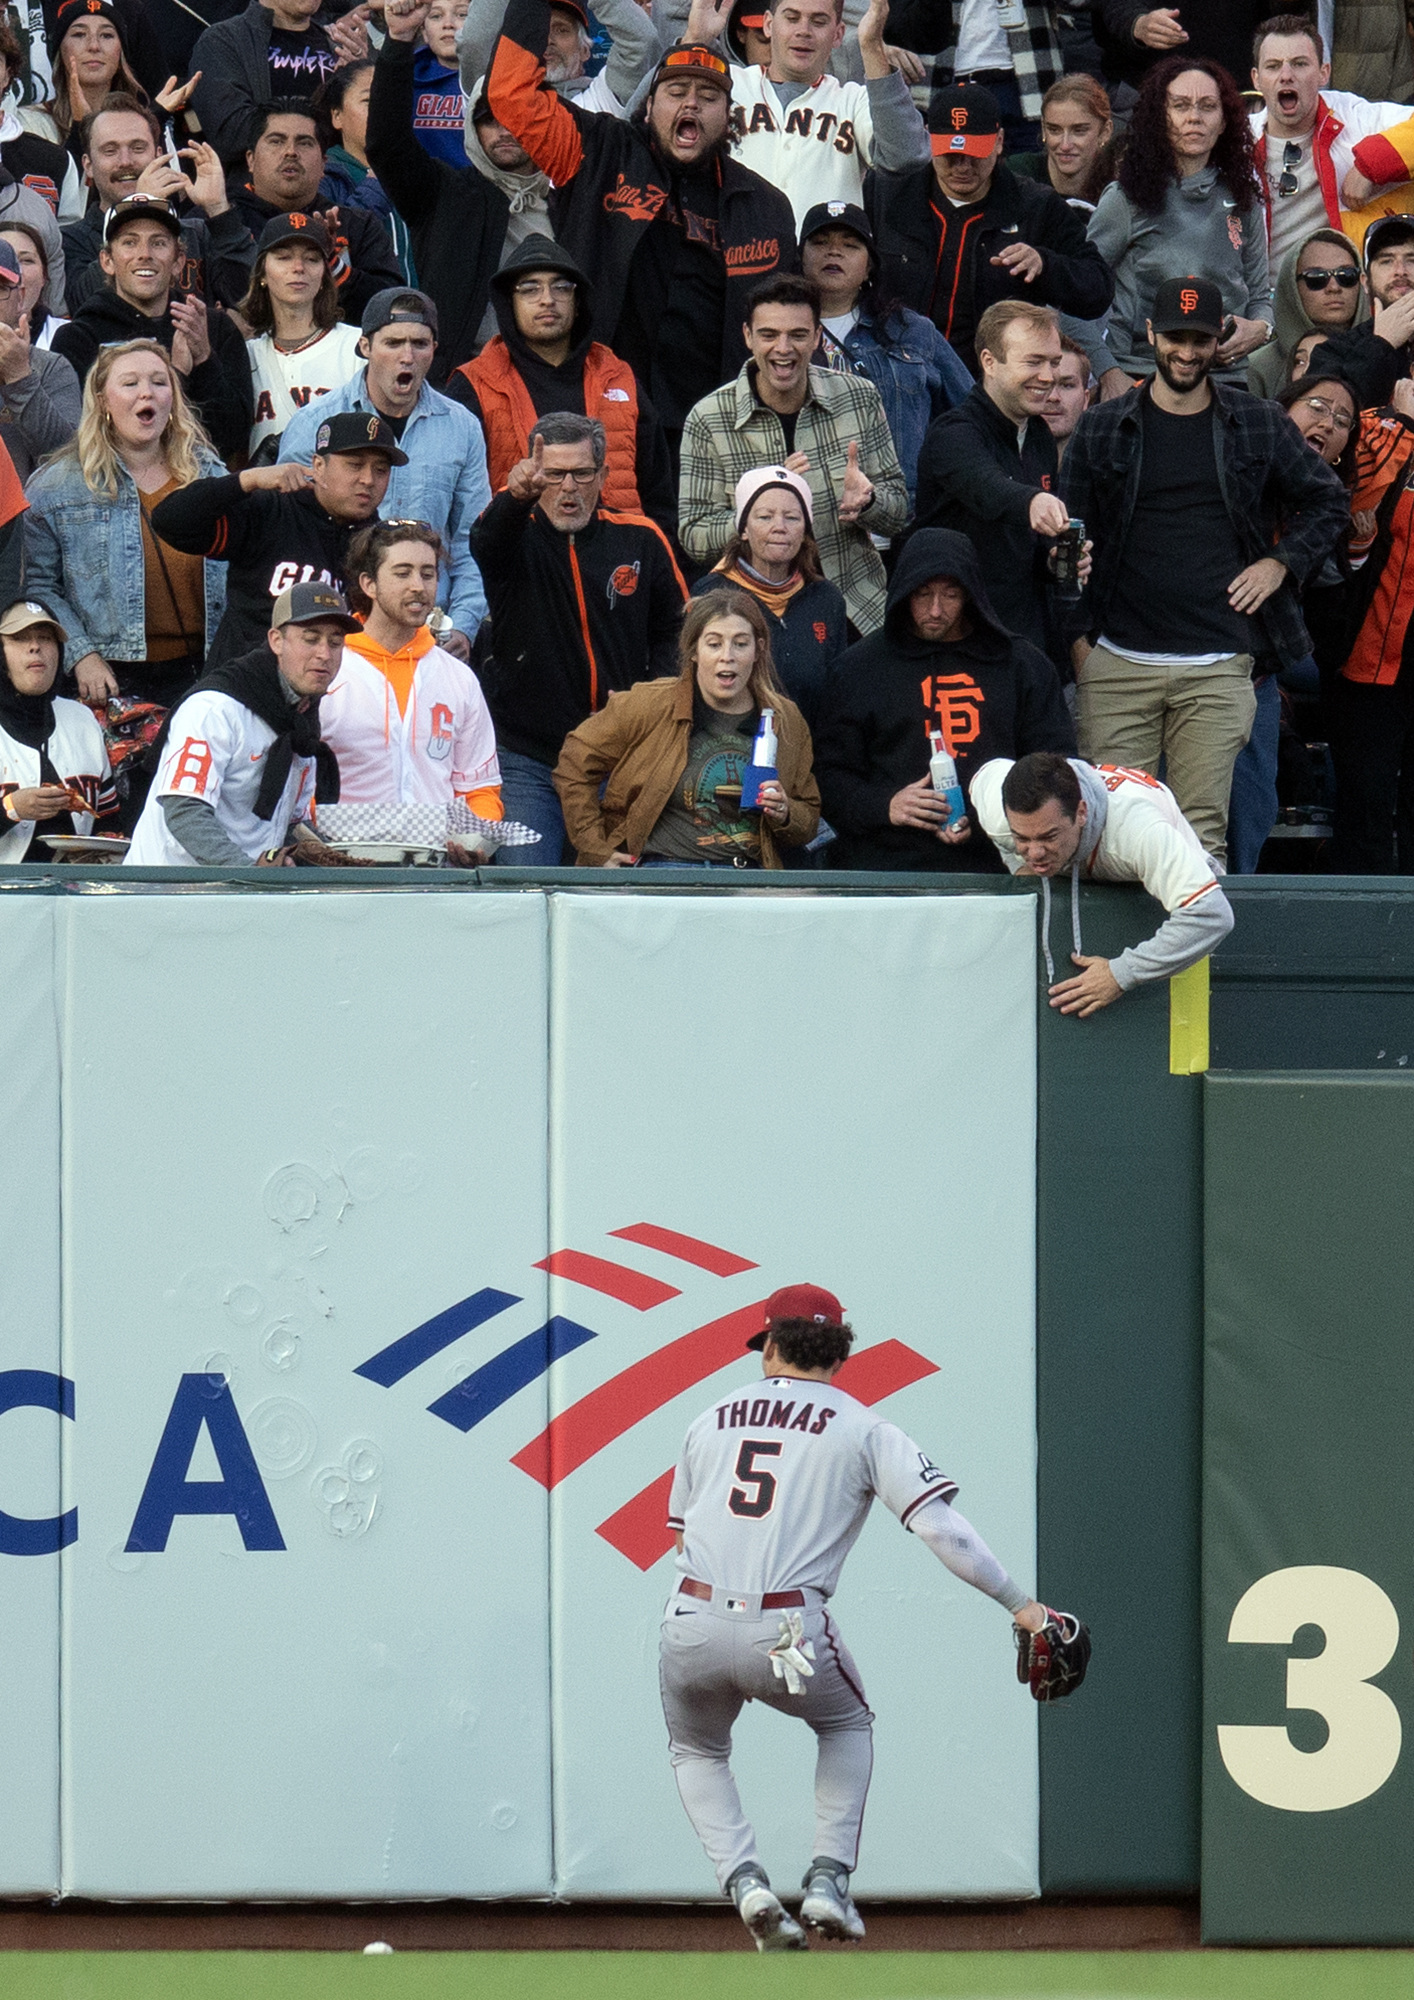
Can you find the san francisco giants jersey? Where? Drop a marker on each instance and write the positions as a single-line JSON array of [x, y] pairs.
[[216, 752], [816, 148], [283, 383], [776, 1479]]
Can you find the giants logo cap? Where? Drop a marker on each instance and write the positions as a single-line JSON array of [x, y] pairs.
[[798, 1302], [964, 118], [1188, 305], [357, 430]]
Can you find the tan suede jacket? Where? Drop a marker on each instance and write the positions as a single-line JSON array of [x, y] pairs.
[[638, 743]]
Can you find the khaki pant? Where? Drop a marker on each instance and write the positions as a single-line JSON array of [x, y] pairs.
[[1196, 719]]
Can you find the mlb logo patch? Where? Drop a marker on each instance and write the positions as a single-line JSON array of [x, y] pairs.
[[736, 1604]]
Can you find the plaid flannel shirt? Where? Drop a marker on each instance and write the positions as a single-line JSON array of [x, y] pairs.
[[1035, 55], [730, 432], [1282, 498]]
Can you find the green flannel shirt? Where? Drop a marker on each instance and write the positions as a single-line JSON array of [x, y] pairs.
[[730, 432]]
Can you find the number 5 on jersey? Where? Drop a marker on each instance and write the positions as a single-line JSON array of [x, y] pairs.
[[754, 1505]]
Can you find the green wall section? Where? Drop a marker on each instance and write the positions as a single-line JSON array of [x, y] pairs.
[[1308, 1511], [1119, 1346]]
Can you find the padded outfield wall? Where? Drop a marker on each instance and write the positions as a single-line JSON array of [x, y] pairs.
[[374, 1244]]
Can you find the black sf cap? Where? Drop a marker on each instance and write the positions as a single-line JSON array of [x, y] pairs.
[[1188, 305], [357, 430], [838, 215]]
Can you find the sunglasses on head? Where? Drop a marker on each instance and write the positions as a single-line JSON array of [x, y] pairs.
[[1347, 279]]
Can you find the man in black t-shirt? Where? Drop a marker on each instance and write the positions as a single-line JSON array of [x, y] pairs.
[[1207, 509], [276, 49]]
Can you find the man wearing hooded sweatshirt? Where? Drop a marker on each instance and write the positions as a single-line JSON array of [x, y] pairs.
[[545, 359], [142, 251], [1048, 814], [942, 662], [462, 219], [1318, 291], [675, 230], [635, 45]]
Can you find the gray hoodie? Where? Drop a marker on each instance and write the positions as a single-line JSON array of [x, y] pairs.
[[1191, 931], [1197, 233], [1269, 367]]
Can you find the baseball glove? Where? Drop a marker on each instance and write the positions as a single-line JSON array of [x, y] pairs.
[[1052, 1662]]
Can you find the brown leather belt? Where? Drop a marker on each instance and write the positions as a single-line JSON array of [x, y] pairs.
[[773, 1600]]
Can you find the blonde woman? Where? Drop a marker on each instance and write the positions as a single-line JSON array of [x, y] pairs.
[[654, 778], [138, 614]]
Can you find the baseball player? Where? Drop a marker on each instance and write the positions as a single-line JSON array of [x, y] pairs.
[[770, 1494], [1047, 813]]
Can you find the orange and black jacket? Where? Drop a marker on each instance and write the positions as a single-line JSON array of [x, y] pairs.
[[1383, 590], [574, 616], [609, 185]]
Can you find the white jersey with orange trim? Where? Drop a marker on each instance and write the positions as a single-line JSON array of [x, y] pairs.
[[283, 383], [216, 753], [775, 1481], [441, 747], [1134, 832]]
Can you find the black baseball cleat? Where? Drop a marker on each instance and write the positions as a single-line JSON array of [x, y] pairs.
[[828, 1909], [763, 1912]]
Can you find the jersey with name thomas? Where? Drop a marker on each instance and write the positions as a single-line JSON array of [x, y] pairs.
[[775, 1481]]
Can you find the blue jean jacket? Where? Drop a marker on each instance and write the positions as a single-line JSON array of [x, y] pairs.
[[83, 558], [914, 369], [444, 481]]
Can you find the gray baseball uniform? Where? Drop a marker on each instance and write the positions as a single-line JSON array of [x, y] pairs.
[[770, 1495]]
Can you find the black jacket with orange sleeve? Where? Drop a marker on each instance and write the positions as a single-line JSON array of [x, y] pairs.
[[609, 183], [573, 617]]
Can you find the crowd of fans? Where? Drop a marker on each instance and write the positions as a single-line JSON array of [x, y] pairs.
[[416, 401]]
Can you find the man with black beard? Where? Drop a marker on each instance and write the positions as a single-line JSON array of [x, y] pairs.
[[1207, 510], [674, 231]]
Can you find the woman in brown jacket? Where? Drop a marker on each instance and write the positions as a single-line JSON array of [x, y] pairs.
[[669, 755]]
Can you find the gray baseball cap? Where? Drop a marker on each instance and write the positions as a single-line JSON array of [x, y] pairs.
[[308, 604]]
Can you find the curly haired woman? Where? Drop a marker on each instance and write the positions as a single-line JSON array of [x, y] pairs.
[[1187, 203]]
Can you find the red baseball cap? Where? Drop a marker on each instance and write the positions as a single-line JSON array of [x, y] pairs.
[[798, 1302]]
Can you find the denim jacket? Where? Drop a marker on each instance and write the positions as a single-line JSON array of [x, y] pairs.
[[915, 370], [444, 481], [83, 558]]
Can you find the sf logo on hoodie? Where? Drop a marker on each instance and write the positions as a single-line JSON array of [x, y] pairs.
[[952, 702]]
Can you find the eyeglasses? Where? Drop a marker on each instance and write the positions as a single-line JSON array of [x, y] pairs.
[[393, 521], [534, 288], [1347, 278], [578, 478], [1290, 161], [1339, 419]]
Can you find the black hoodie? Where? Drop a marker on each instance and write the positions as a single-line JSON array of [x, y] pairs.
[[218, 388], [553, 390], [1000, 695]]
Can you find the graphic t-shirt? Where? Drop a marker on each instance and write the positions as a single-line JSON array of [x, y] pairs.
[[697, 824], [439, 110], [300, 59]]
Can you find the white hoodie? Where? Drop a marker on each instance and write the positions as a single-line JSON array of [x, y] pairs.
[[1134, 832]]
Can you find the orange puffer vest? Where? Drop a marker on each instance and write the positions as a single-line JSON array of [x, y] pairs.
[[507, 413]]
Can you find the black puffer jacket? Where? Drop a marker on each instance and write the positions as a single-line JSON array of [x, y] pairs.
[[999, 695]]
